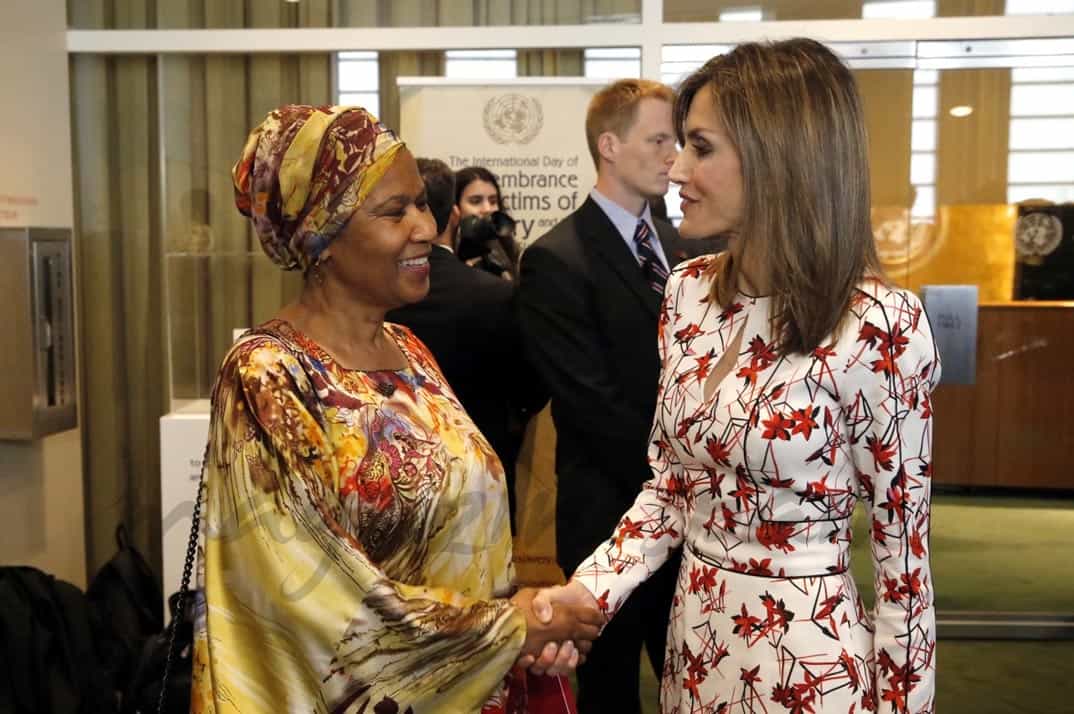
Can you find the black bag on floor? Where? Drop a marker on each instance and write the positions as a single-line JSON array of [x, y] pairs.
[[126, 598], [52, 662], [142, 696], [163, 675]]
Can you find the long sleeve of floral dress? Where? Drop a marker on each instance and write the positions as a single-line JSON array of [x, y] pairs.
[[893, 368], [355, 546], [652, 528]]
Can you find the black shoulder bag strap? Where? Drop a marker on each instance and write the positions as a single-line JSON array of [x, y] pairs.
[[184, 587]]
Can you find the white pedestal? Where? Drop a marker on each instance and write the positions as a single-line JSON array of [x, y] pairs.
[[183, 434]]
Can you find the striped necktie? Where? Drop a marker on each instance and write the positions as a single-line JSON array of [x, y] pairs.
[[652, 268]]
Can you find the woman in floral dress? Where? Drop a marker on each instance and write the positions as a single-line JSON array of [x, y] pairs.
[[796, 384], [356, 552]]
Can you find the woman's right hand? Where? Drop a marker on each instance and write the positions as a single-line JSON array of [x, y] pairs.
[[573, 594], [558, 634]]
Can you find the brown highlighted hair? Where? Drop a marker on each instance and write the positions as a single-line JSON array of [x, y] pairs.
[[793, 113], [615, 107]]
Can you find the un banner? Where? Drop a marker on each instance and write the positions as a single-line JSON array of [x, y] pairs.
[[530, 132]]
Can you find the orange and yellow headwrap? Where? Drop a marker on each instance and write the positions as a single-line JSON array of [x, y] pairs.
[[303, 173]]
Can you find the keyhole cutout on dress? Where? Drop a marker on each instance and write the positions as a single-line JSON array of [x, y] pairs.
[[726, 363]]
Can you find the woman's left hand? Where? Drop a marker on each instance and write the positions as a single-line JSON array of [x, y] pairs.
[[556, 658]]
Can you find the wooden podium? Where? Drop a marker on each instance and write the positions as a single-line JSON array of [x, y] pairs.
[[1015, 426]]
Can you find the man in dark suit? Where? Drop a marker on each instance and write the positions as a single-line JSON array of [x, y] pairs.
[[589, 296], [467, 321]]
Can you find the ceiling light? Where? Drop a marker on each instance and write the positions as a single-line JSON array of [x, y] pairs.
[[961, 110]]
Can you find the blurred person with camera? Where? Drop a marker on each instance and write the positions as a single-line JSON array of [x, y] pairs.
[[589, 299], [467, 320], [355, 553], [486, 235]]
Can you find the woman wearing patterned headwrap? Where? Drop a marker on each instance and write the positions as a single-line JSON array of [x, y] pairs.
[[355, 552]]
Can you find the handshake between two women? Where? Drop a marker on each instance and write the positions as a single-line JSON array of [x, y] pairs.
[[561, 624]]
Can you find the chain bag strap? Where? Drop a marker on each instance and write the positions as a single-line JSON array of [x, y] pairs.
[[184, 587]]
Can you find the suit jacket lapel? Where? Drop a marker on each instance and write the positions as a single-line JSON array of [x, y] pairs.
[[599, 232]]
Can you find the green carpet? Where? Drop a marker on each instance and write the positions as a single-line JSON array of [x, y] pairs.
[[988, 553]]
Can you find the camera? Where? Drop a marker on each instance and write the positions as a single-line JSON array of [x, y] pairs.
[[488, 243], [478, 233]]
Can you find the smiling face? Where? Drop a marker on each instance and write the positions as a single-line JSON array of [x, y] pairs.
[[383, 253], [709, 173], [479, 198]]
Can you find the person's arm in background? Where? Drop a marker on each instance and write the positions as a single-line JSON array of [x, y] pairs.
[[529, 394]]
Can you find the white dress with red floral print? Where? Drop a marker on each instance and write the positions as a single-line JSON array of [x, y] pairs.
[[758, 484]]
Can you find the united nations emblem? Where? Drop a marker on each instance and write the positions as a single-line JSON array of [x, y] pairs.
[[903, 243], [1037, 235], [513, 119]]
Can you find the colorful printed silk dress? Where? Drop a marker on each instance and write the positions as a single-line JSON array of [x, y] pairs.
[[355, 538], [758, 484]]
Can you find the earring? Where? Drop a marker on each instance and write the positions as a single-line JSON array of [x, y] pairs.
[[318, 269]]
